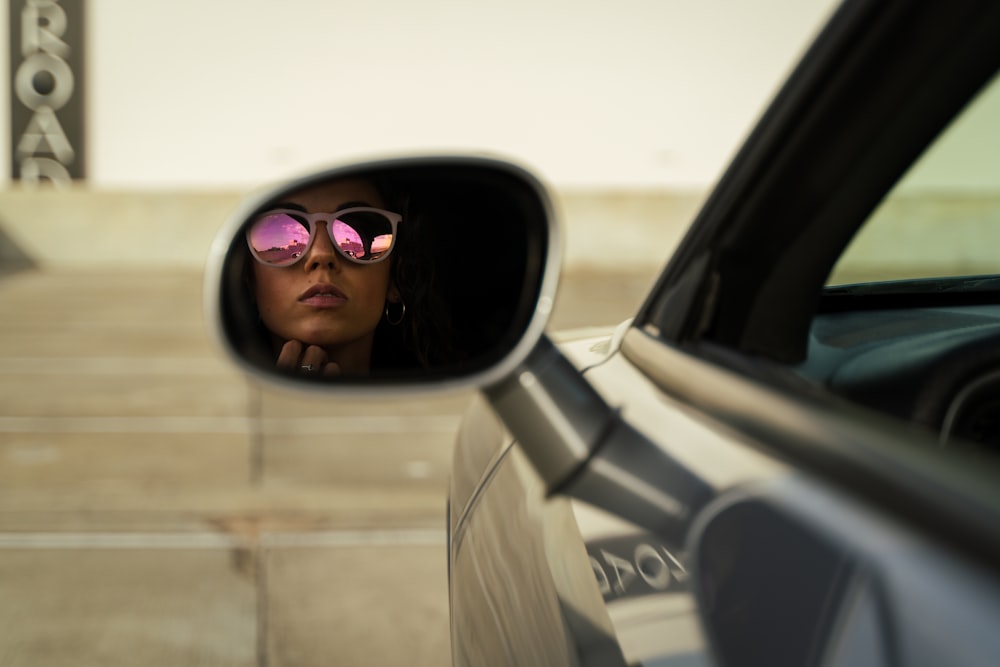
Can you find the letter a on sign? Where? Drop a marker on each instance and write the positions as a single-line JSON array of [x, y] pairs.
[[44, 136]]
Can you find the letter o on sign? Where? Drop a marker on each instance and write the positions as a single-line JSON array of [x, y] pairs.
[[33, 71], [652, 567]]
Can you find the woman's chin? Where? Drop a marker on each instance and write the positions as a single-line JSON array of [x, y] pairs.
[[318, 341]]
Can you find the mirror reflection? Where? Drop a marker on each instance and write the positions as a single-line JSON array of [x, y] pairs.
[[386, 271]]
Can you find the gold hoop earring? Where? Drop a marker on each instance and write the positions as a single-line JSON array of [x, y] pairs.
[[397, 320]]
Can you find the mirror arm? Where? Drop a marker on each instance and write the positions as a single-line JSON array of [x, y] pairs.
[[581, 447], [553, 413]]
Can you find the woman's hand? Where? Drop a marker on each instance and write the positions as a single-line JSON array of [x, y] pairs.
[[306, 360]]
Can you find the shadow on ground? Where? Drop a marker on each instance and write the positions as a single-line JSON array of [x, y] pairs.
[[12, 258]]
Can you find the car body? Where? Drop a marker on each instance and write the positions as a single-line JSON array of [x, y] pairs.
[[788, 455], [765, 467]]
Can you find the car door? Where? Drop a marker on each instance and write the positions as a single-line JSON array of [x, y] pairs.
[[544, 580]]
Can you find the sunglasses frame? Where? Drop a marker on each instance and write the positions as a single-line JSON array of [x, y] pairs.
[[313, 218]]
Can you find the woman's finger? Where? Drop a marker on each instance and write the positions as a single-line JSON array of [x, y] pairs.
[[313, 360], [288, 358]]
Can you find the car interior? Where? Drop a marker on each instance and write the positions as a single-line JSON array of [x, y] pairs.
[[924, 344]]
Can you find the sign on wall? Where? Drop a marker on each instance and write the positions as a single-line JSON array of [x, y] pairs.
[[46, 76]]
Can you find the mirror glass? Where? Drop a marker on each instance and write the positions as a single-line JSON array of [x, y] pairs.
[[398, 271]]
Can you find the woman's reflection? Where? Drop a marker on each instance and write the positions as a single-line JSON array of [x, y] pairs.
[[342, 283]]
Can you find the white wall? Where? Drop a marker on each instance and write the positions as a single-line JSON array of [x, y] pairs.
[[209, 94]]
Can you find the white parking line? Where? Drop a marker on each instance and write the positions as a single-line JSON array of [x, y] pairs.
[[120, 541], [355, 538], [115, 366], [328, 539], [388, 424], [239, 425]]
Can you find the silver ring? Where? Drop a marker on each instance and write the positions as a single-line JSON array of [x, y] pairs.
[[307, 367]]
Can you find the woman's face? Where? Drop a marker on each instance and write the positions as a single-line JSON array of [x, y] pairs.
[[324, 299]]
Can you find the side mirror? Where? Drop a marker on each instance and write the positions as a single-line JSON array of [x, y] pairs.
[[432, 272]]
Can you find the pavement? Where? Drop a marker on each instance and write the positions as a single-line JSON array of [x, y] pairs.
[[158, 507]]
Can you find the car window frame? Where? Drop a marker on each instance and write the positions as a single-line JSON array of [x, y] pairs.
[[677, 338], [838, 136]]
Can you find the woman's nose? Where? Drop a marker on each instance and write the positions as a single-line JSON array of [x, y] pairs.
[[322, 252]]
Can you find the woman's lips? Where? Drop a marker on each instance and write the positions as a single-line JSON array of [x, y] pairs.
[[323, 296]]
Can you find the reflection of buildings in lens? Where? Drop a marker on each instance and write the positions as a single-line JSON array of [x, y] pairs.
[[277, 254]]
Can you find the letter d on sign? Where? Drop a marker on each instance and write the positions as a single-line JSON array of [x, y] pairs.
[[46, 85]]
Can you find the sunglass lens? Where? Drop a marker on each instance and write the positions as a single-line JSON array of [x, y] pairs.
[[362, 235], [278, 239]]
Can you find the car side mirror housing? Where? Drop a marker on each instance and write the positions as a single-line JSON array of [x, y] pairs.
[[412, 273]]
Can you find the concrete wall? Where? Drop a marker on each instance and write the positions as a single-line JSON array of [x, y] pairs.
[[919, 233], [81, 228], [924, 234]]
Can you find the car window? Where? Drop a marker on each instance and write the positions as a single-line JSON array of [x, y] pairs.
[[943, 217], [909, 324]]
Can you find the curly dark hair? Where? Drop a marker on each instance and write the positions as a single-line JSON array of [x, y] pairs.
[[425, 335]]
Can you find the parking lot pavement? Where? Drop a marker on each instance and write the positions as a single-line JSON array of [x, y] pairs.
[[158, 507]]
